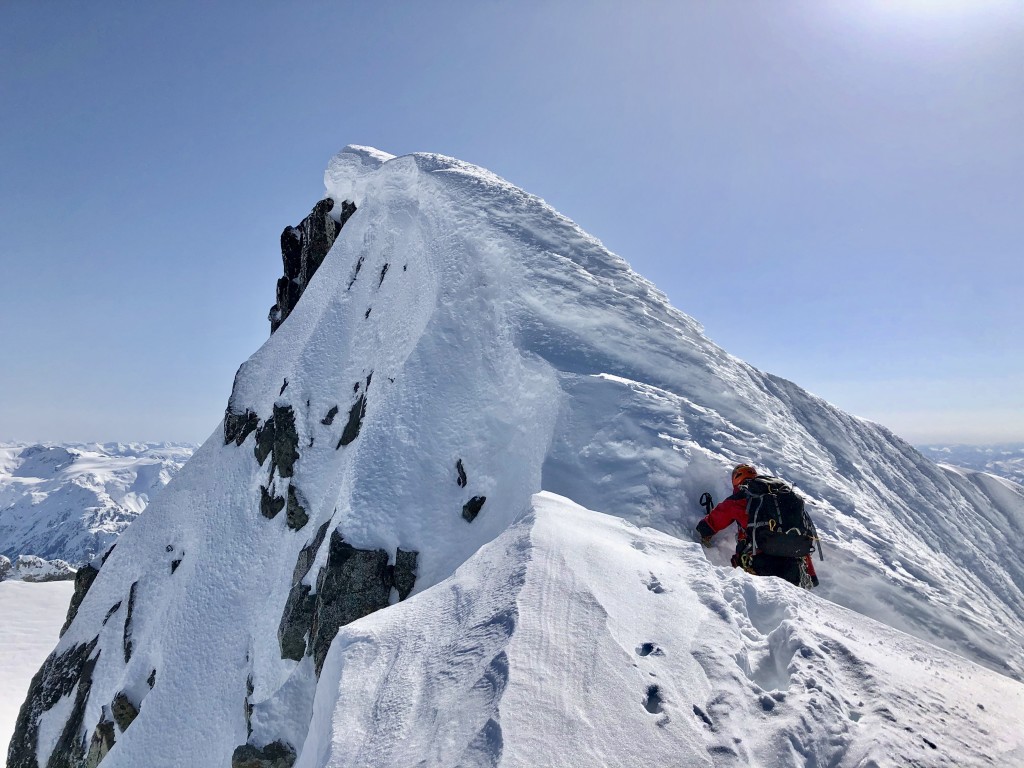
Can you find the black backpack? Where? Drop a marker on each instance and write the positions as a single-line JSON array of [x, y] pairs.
[[777, 521]]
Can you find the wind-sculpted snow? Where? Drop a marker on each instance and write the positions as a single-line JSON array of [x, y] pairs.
[[70, 502], [461, 347], [577, 639]]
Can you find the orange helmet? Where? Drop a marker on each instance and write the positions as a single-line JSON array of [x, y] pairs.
[[742, 473]]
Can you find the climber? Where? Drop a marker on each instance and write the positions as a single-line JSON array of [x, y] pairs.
[[734, 510]]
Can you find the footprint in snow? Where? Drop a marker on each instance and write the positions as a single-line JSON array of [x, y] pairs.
[[649, 649], [654, 585], [653, 700]]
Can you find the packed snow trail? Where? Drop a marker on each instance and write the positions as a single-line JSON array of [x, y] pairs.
[[461, 347]]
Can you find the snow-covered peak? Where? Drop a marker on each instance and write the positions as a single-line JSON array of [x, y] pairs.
[[460, 347]]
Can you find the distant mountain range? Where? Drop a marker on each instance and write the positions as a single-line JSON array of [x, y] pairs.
[[1006, 460], [71, 501]]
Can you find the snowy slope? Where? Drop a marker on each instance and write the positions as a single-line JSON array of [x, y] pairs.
[[1002, 460], [71, 501], [577, 639], [461, 347]]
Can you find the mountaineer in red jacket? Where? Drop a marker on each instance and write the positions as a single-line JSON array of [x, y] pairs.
[[734, 510]]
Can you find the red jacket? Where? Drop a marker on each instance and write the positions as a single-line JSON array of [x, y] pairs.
[[732, 510]]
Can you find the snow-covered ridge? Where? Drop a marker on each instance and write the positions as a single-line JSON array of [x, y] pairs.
[[71, 501], [461, 347], [585, 641]]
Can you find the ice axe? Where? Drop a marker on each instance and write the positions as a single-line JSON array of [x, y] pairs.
[[706, 502]]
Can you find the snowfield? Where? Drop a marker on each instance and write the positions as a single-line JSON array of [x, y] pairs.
[[70, 502], [31, 615], [357, 569]]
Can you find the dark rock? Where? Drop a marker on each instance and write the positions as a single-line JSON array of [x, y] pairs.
[[58, 677], [249, 688], [297, 516], [383, 271], [308, 554], [238, 426], [280, 754], [264, 441], [128, 622], [5, 568], [353, 584], [405, 572], [123, 710], [347, 209], [112, 611], [101, 743], [369, 378], [298, 610], [303, 249], [472, 508], [270, 505], [355, 421], [169, 548], [84, 578], [462, 479], [355, 273], [296, 622], [107, 554], [329, 418], [151, 680], [286, 440], [283, 388], [277, 437], [175, 564], [367, 314]]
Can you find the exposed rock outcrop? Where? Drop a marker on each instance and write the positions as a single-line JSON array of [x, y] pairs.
[[353, 584], [303, 249], [127, 641], [83, 580], [123, 710], [405, 572], [60, 676], [101, 743], [279, 754], [472, 508], [298, 611], [278, 438], [5, 567], [355, 421], [238, 426]]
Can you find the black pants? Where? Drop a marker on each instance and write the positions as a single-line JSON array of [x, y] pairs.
[[787, 568]]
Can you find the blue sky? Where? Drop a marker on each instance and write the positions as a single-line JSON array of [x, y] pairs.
[[861, 160]]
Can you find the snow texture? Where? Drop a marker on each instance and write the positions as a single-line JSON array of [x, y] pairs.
[[508, 352], [71, 501], [30, 618]]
